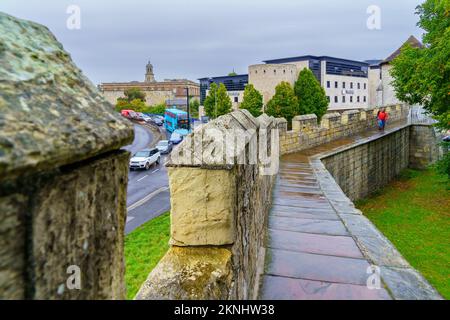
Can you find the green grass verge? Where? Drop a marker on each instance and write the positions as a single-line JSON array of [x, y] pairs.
[[414, 213], [144, 247]]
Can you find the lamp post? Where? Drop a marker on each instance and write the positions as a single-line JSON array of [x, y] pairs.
[[187, 109]]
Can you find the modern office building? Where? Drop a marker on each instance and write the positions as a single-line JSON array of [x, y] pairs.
[[235, 86], [345, 81]]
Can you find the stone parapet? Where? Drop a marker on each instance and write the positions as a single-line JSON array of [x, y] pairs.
[[306, 133], [220, 197], [62, 175]]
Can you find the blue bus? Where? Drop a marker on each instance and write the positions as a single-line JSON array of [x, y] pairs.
[[175, 119]]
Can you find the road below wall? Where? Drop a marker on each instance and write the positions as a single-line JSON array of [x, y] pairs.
[[148, 190]]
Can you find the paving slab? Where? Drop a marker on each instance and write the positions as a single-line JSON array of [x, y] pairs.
[[314, 243], [309, 266], [281, 288], [326, 227]]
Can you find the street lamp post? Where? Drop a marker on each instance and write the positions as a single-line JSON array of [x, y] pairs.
[[187, 109]]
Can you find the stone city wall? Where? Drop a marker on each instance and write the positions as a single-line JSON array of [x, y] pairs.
[[423, 146], [369, 166], [219, 210], [307, 133], [63, 177]]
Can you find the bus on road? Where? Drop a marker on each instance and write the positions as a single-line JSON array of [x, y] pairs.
[[175, 119]]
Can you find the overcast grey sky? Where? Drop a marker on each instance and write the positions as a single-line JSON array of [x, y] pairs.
[[198, 38]]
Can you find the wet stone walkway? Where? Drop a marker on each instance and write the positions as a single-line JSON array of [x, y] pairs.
[[310, 253]]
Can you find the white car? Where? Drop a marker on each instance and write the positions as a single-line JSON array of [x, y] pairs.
[[145, 159], [164, 146]]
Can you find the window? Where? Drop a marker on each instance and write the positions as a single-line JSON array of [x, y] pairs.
[[264, 71], [351, 98], [351, 85], [357, 99], [343, 99], [335, 84], [359, 85], [274, 71], [328, 84], [256, 71], [365, 86], [284, 71], [336, 99], [328, 98], [236, 99], [343, 85], [365, 99]]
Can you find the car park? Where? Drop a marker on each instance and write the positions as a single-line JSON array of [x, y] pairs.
[[164, 146], [144, 159]]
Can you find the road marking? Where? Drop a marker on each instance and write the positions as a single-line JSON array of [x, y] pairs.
[[146, 198], [143, 178], [130, 218], [155, 171]]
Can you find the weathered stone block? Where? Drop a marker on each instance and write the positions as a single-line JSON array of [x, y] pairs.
[[202, 206]]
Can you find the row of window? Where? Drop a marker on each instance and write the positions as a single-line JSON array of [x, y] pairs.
[[358, 99], [274, 71], [336, 85]]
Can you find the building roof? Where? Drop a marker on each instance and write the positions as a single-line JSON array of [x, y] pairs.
[[224, 77], [176, 111], [177, 82], [310, 57], [412, 41]]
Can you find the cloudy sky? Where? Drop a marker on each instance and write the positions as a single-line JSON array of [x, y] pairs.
[[199, 38]]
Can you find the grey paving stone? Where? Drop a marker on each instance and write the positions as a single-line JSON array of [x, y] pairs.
[[408, 284], [281, 288], [317, 267], [313, 243], [326, 227]]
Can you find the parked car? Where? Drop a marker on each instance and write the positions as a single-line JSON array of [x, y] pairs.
[[176, 138], [147, 119], [164, 146], [157, 121], [144, 159]]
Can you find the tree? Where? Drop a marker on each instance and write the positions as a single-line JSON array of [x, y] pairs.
[[283, 103], [156, 109], [422, 75], [134, 93], [232, 74], [194, 105], [253, 100], [223, 101], [210, 100], [138, 105], [217, 102], [310, 95]]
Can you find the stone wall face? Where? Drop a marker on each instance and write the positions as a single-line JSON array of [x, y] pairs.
[[365, 168], [63, 177], [306, 133], [219, 217], [424, 149]]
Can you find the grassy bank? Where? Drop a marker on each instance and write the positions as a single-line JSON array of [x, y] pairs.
[[144, 247], [414, 213]]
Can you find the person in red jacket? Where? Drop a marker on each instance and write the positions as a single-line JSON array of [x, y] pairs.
[[382, 117]]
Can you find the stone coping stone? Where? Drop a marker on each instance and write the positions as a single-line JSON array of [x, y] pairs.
[[50, 113], [401, 279]]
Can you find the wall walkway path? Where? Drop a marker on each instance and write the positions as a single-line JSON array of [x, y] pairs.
[[320, 246]]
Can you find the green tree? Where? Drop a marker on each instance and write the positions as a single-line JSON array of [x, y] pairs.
[[138, 105], [310, 95], [283, 103], [223, 101], [253, 100], [194, 105], [210, 100], [422, 75], [231, 74], [217, 102], [134, 93], [156, 109]]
